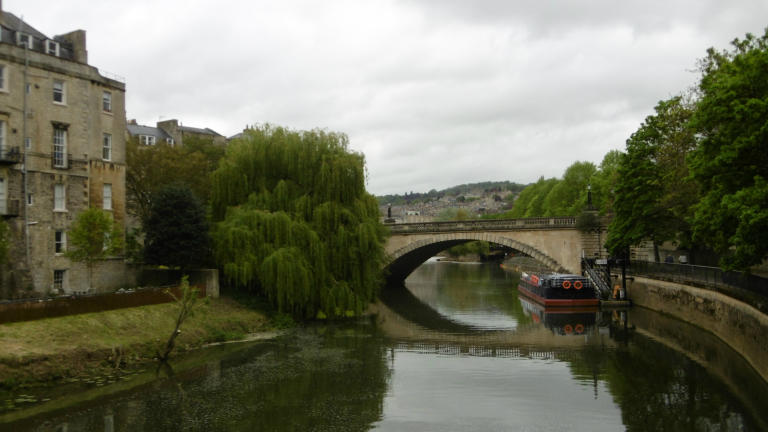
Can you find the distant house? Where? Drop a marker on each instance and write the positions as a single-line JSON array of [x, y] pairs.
[[171, 133], [148, 135]]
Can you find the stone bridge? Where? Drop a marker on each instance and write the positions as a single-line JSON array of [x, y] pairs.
[[554, 242]]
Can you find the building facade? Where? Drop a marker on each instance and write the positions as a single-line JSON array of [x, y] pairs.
[[171, 132], [62, 150]]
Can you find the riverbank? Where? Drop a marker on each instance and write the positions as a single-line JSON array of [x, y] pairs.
[[103, 346]]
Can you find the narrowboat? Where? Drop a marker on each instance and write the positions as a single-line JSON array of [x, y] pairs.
[[558, 289]]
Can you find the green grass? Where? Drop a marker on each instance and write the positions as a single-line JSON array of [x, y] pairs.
[[56, 348]]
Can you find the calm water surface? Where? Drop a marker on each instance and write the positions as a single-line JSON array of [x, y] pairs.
[[455, 351]]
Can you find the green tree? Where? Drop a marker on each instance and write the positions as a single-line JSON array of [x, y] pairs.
[[530, 202], [176, 231], [470, 248], [93, 237], [295, 223], [645, 204], [604, 182], [205, 146], [152, 167], [569, 196], [731, 161], [187, 303]]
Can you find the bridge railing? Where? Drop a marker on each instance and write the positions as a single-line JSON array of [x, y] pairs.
[[484, 225], [742, 286]]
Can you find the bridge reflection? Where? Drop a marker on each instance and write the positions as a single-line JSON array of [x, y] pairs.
[[405, 318], [621, 347]]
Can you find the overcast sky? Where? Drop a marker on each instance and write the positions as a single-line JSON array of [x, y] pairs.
[[435, 93]]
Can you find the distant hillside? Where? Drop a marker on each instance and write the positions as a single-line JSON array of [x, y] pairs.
[[499, 187]]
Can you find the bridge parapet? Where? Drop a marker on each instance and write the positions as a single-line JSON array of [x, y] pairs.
[[484, 225]]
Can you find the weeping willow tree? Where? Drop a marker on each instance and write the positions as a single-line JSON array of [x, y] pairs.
[[294, 222]]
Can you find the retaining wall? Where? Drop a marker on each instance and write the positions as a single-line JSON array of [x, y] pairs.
[[738, 324]]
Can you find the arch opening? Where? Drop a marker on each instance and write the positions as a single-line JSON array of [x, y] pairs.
[[406, 259]]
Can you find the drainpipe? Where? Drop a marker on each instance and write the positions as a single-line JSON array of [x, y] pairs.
[[24, 168]]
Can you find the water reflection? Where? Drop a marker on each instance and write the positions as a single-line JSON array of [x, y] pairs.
[[476, 295], [323, 378], [459, 351], [642, 371], [560, 320]]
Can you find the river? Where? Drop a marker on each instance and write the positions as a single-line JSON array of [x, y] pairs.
[[457, 350]]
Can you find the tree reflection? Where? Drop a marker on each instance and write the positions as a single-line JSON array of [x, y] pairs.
[[329, 378]]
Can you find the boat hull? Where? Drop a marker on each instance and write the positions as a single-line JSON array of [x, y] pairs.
[[557, 302]]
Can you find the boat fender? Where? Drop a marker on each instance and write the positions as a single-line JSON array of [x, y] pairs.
[[567, 284], [577, 285]]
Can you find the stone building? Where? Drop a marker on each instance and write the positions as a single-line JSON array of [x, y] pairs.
[[171, 132], [62, 149]]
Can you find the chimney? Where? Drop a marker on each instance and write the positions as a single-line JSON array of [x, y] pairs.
[[77, 39]]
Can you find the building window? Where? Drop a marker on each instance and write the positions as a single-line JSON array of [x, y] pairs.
[[58, 279], [2, 136], [106, 101], [3, 78], [106, 149], [28, 143], [59, 197], [24, 39], [148, 140], [59, 92], [30, 199], [52, 47], [59, 147], [170, 141], [60, 242], [107, 201]]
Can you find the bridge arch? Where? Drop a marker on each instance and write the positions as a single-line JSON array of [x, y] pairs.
[[407, 258]]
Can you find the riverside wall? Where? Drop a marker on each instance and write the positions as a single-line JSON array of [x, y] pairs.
[[738, 324]]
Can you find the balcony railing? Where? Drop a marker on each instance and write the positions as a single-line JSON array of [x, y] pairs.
[[9, 155]]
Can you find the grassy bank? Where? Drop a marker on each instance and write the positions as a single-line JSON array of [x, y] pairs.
[[55, 350]]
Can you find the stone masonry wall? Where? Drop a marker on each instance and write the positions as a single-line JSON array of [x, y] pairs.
[[738, 324]]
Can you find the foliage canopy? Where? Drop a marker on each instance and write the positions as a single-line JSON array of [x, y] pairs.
[[653, 191], [294, 221], [152, 167], [177, 229], [731, 161], [93, 237]]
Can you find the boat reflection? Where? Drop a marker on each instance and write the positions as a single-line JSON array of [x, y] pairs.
[[565, 321]]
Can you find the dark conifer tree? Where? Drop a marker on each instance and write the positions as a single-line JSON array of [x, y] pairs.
[[177, 231]]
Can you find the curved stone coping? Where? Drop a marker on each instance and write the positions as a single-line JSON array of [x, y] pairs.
[[484, 225]]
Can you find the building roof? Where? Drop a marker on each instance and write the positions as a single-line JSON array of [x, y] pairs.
[[206, 131], [12, 22], [135, 130]]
